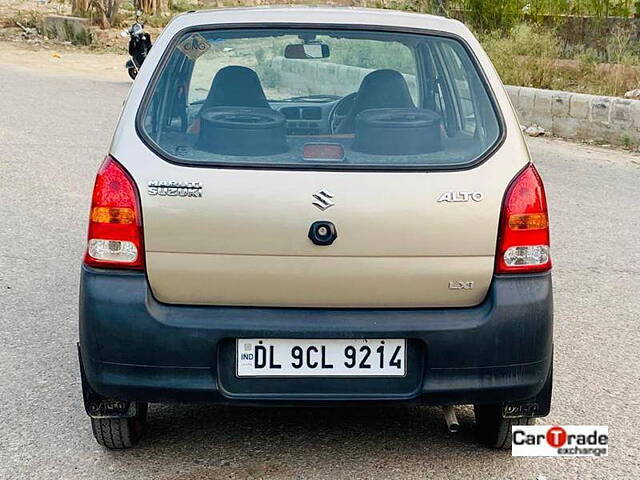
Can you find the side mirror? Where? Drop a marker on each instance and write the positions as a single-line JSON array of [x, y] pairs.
[[302, 51]]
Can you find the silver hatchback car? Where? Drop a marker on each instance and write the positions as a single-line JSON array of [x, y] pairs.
[[317, 206]]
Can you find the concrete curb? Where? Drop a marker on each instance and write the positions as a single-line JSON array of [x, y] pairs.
[[570, 115], [73, 29], [579, 116]]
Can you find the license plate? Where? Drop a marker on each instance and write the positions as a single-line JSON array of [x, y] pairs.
[[269, 357]]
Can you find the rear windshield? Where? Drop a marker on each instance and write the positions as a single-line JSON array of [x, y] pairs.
[[318, 98]]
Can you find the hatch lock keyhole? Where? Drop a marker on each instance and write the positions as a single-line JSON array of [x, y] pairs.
[[323, 233]]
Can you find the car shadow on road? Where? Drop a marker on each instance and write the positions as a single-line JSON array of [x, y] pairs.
[[239, 438]]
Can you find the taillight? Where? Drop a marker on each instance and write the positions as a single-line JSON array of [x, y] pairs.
[[115, 224], [523, 239]]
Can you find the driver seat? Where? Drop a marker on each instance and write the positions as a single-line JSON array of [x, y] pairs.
[[236, 86], [379, 89]]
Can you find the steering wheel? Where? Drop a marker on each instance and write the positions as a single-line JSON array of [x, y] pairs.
[[340, 111]]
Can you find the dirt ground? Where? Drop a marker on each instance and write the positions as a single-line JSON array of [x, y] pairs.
[[62, 59], [11, 9]]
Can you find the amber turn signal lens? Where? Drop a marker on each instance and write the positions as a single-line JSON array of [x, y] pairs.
[[528, 221], [123, 216]]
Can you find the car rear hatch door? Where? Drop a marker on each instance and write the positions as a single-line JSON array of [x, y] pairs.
[[416, 219], [410, 239]]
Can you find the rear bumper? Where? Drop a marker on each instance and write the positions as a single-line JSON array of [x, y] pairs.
[[135, 348]]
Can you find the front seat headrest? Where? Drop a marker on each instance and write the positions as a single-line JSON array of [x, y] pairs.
[[379, 89], [236, 86]]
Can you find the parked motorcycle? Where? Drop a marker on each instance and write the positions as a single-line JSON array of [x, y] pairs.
[[139, 45]]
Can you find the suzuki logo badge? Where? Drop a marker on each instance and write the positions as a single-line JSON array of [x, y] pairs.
[[322, 199]]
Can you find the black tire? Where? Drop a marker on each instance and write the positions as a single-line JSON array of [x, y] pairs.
[[398, 131], [493, 429], [120, 433], [133, 72], [243, 131]]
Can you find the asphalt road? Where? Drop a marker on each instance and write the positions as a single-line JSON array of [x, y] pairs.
[[54, 131]]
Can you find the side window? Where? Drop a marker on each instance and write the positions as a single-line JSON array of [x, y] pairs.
[[461, 88], [201, 78]]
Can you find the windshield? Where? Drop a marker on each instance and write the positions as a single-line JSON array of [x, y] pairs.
[[319, 98]]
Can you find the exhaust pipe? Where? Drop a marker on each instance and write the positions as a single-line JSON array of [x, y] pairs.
[[450, 417]]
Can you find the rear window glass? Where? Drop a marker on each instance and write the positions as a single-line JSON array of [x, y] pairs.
[[318, 98]]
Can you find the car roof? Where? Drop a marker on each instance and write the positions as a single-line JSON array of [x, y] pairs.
[[298, 14]]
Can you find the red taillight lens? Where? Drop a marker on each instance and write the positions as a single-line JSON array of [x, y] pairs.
[[523, 240], [115, 224]]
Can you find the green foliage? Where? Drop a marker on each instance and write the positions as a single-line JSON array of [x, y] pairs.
[[490, 15], [531, 56], [157, 21], [619, 46], [588, 57], [494, 15], [594, 8], [183, 5], [524, 56], [525, 39]]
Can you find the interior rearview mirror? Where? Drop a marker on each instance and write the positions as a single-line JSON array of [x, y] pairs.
[[306, 51]]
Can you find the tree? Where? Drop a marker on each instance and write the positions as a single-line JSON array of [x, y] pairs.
[[154, 7], [80, 7], [107, 11]]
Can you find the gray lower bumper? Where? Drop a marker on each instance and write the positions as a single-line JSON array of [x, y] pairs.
[[135, 348]]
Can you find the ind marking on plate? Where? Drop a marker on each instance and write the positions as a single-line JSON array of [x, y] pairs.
[[194, 46]]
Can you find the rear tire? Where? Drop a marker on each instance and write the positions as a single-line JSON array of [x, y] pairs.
[[493, 429], [120, 433]]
